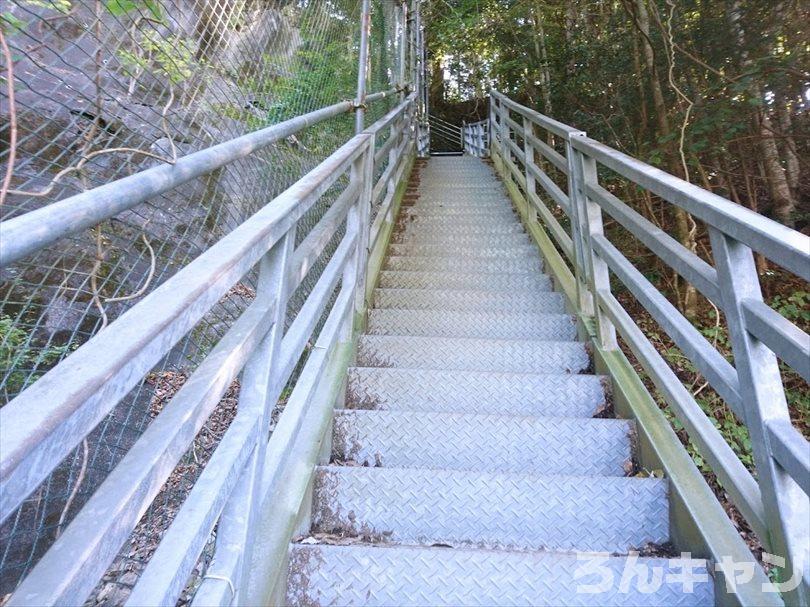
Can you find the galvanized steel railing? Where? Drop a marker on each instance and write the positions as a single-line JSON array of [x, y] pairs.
[[44, 423], [476, 138], [775, 503], [445, 137]]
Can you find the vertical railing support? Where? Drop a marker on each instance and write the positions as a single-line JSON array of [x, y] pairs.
[[528, 159], [786, 505], [403, 47], [357, 222], [260, 388], [589, 219], [362, 68], [576, 195], [492, 124]]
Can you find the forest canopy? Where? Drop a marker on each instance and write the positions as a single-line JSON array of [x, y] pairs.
[[714, 91]]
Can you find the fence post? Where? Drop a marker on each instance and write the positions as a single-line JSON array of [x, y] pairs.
[[492, 123], [786, 505], [528, 158], [403, 45], [585, 302], [260, 385], [357, 222], [588, 218], [362, 68]]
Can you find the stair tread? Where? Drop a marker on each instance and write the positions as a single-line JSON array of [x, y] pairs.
[[480, 281], [483, 442], [553, 395], [455, 299], [461, 323], [383, 574], [496, 510], [469, 353]]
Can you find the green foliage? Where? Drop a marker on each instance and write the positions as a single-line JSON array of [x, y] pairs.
[[18, 353], [122, 7], [166, 56]]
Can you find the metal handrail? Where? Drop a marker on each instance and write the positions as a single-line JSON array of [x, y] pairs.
[[46, 421], [776, 502], [35, 230]]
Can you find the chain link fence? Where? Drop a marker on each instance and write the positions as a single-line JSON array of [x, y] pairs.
[[95, 90]]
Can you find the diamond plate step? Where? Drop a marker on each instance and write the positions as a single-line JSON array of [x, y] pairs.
[[494, 281], [450, 239], [457, 391], [494, 301], [438, 228], [430, 212], [414, 576], [517, 511], [505, 355], [455, 323], [464, 264], [483, 443], [429, 250]]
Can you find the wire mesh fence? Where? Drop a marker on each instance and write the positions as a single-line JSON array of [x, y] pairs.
[[95, 90]]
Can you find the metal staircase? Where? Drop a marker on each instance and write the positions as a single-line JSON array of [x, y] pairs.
[[472, 463]]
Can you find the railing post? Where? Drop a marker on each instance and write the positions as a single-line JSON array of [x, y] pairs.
[[786, 505], [260, 388], [492, 124], [588, 218], [576, 194], [362, 68], [357, 222], [528, 158], [403, 46]]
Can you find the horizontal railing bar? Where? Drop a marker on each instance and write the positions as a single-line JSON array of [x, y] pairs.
[[708, 361], [392, 115], [784, 246], [560, 236], [556, 193], [446, 129], [733, 476], [515, 126], [300, 331], [376, 226], [44, 423], [549, 153], [37, 229], [168, 570], [785, 339], [289, 422], [515, 148], [790, 450], [307, 253], [670, 251], [71, 568], [433, 118], [549, 124], [380, 154], [382, 183]]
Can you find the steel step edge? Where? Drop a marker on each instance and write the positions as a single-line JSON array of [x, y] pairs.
[[468, 250], [455, 323], [463, 264], [450, 239], [486, 392], [500, 281], [472, 354], [493, 301], [483, 443], [412, 576], [492, 510]]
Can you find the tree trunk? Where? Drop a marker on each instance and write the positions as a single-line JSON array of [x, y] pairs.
[[792, 164]]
